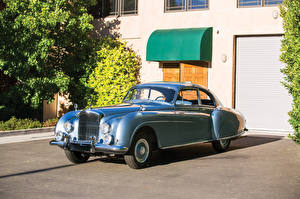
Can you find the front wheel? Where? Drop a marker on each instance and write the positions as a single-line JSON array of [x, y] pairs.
[[221, 145], [77, 157], [140, 152]]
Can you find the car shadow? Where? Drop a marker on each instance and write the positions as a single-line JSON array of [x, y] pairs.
[[168, 156], [195, 151], [205, 149], [36, 171]]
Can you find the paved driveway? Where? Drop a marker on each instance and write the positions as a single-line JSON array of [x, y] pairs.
[[255, 167]]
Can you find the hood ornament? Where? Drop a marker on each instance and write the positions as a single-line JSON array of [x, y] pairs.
[[90, 106], [75, 106]]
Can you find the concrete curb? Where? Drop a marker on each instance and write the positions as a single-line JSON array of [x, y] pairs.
[[268, 134], [26, 131]]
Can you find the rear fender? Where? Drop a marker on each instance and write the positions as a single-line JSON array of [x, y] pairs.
[[227, 123]]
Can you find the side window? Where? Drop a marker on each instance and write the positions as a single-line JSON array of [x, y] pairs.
[[187, 97], [206, 99]]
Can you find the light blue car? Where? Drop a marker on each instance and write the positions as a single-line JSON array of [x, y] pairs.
[[157, 115]]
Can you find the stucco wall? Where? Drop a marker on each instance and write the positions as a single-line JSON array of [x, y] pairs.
[[223, 15]]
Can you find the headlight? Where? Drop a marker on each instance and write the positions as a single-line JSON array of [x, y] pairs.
[[104, 128], [107, 139], [58, 136], [68, 126]]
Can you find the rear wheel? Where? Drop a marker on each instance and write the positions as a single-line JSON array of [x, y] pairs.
[[77, 157], [221, 145], [140, 152]]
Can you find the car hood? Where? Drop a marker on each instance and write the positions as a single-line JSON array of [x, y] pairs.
[[128, 107]]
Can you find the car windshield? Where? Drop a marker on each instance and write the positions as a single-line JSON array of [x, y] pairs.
[[150, 94]]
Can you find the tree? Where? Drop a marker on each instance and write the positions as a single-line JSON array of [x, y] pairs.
[[45, 46], [116, 72], [290, 47]]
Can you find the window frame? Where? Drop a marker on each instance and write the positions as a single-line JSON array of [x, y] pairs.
[[262, 4], [186, 3], [210, 96], [188, 89], [119, 11]]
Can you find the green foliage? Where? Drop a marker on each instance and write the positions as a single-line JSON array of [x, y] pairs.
[[290, 12], [116, 72], [295, 138], [50, 122], [17, 109], [16, 124], [46, 47]]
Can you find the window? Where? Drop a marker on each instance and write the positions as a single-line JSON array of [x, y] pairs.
[[249, 3], [206, 99], [150, 94], [185, 5], [121, 7], [187, 97]]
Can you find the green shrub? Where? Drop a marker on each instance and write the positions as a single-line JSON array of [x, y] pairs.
[[50, 122], [290, 48], [16, 124], [116, 72]]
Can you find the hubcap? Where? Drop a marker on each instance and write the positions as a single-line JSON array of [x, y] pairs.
[[141, 150]]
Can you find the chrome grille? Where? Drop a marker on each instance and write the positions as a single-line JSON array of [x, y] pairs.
[[88, 125]]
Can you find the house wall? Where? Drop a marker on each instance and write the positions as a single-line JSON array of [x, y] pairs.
[[227, 21]]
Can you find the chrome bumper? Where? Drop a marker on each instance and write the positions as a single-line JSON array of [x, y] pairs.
[[92, 148]]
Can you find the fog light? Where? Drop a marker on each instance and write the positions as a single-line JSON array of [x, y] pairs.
[[58, 136], [107, 139]]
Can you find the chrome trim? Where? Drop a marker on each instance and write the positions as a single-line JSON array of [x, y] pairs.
[[234, 136], [88, 124], [117, 149], [61, 144], [181, 145]]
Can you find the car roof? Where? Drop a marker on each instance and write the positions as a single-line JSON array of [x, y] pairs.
[[174, 85], [177, 86]]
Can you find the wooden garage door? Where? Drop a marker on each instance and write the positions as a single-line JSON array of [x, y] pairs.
[[182, 72]]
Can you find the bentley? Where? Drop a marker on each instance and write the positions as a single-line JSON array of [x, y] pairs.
[[152, 116]]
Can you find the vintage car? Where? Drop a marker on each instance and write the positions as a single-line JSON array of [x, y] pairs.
[[157, 115]]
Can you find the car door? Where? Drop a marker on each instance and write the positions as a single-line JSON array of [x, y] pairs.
[[192, 119]]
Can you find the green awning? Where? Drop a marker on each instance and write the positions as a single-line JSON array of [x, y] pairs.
[[192, 44]]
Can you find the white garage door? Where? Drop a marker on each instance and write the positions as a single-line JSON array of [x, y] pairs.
[[259, 93]]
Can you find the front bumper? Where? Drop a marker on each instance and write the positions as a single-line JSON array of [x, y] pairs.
[[90, 147]]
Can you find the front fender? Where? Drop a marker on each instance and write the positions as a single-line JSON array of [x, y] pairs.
[[126, 127], [66, 117], [162, 122]]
